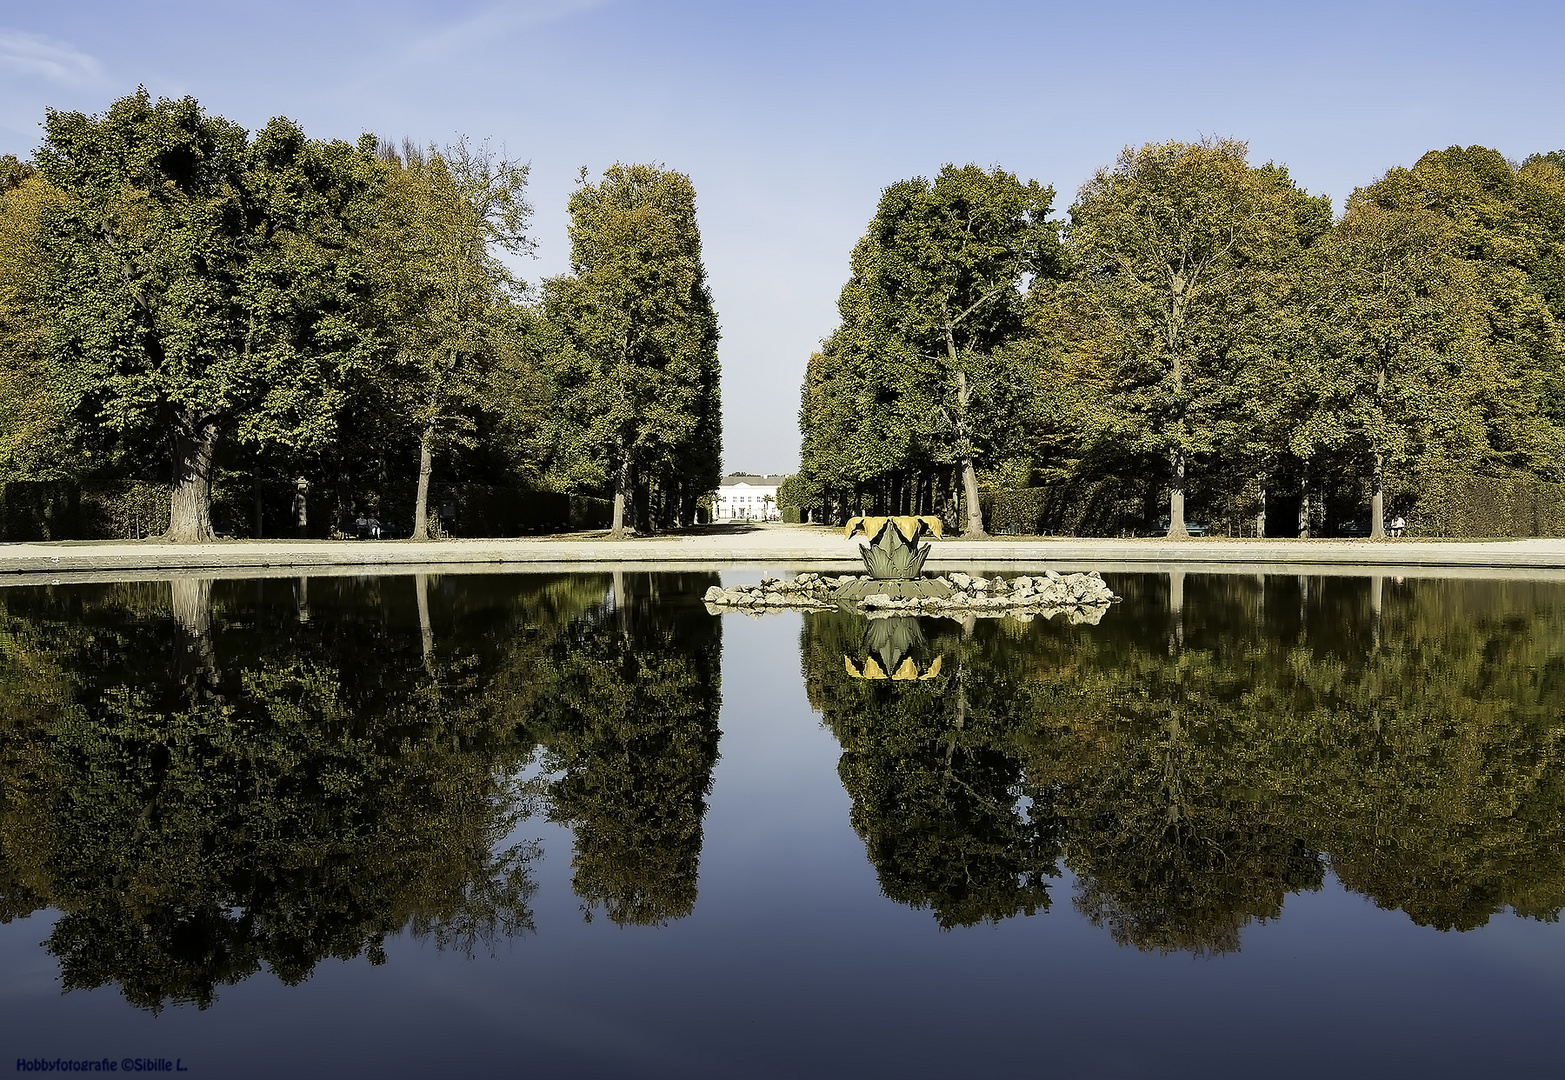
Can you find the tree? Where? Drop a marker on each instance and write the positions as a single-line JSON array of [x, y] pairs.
[[935, 297], [35, 432], [204, 284], [636, 358], [1506, 238], [446, 292], [1182, 255], [1393, 346]]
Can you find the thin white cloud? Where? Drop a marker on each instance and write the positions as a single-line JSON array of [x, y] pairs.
[[494, 22], [490, 24], [36, 56]]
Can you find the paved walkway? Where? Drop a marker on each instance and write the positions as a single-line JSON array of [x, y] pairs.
[[769, 546]]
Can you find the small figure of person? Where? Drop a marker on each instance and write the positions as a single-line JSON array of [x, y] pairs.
[[1398, 525]]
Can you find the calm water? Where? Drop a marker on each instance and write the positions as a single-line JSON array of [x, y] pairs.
[[576, 826]]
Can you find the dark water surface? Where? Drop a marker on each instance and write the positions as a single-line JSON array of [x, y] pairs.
[[577, 826]]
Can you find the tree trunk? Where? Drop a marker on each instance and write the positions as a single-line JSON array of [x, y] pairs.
[[426, 465], [301, 599], [621, 492], [301, 507], [1377, 500], [1176, 495], [1304, 504], [1260, 514], [975, 512], [190, 506], [1176, 608]]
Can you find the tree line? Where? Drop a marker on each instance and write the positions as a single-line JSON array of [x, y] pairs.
[[1199, 335], [182, 299]]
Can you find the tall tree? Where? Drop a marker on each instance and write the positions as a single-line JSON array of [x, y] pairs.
[[1182, 253], [1393, 344], [448, 215], [636, 363], [1507, 233], [35, 435], [205, 285], [935, 297]]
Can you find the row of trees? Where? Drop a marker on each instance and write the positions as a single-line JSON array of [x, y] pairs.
[[1198, 325], [248, 308]]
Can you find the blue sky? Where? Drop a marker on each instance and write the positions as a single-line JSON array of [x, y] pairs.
[[791, 117]]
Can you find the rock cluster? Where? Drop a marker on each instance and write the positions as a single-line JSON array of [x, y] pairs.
[[1080, 597]]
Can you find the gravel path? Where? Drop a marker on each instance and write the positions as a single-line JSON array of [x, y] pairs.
[[767, 546]]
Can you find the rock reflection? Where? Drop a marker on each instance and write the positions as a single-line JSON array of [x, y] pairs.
[[1213, 747], [208, 782]]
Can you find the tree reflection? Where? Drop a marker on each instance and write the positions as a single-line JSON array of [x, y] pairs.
[[629, 718], [931, 766], [207, 783], [1219, 741]]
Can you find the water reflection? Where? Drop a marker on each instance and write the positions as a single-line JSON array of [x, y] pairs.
[[936, 785], [211, 779], [628, 716], [1213, 747]]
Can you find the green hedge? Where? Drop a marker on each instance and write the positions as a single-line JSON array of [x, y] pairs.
[[482, 510], [1099, 508], [66, 510], [40, 510], [1474, 507]]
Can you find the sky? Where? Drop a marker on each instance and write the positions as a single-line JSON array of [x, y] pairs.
[[791, 117]]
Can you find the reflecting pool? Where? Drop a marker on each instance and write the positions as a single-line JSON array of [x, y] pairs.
[[576, 825]]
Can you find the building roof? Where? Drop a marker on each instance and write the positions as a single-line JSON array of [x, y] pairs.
[[752, 480]]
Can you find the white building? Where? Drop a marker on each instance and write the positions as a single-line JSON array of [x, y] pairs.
[[746, 497]]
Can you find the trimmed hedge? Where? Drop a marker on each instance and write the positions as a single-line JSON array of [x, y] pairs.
[[66, 510], [1475, 507], [40, 510], [1100, 508], [482, 510]]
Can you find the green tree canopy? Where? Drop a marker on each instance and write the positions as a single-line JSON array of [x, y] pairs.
[[447, 297], [635, 361], [919, 370], [203, 284], [1184, 255]]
